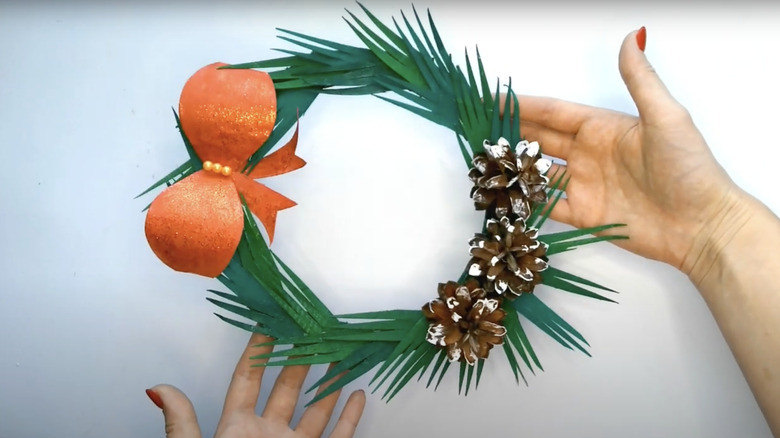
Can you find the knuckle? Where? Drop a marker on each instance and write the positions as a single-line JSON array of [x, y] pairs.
[[680, 114]]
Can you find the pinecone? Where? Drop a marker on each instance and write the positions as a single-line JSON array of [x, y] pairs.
[[464, 321], [509, 256], [507, 181]]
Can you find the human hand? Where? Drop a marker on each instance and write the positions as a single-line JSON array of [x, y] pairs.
[[654, 172], [239, 419]]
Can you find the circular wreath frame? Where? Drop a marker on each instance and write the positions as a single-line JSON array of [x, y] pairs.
[[412, 63]]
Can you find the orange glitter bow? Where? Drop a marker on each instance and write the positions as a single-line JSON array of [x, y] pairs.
[[196, 224]]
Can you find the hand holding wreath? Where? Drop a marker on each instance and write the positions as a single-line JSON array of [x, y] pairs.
[[239, 419], [654, 173]]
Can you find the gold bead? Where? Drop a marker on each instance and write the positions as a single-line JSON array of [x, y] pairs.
[[227, 170], [207, 165], [217, 168]]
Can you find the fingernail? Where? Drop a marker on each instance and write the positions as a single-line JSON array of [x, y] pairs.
[[641, 38], [155, 398]]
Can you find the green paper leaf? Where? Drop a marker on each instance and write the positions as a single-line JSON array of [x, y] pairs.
[[480, 367], [549, 209], [564, 285], [289, 105], [422, 59], [313, 304], [307, 360], [184, 170], [461, 376], [384, 314], [190, 150], [395, 39], [531, 307], [574, 234], [394, 325], [574, 278], [517, 338], [308, 350], [441, 375], [358, 355], [495, 125], [399, 68], [506, 126], [437, 55], [265, 330], [514, 366], [487, 97], [441, 357], [414, 337], [420, 358], [387, 48], [469, 376], [567, 246], [354, 372]]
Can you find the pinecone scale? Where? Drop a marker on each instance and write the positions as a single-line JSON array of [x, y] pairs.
[[509, 182], [464, 321], [508, 257]]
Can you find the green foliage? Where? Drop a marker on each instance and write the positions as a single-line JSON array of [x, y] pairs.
[[410, 63], [290, 105], [192, 165]]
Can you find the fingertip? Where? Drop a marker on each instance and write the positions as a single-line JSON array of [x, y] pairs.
[[358, 397], [353, 408], [350, 415], [648, 91], [641, 38], [155, 398], [632, 53], [180, 417], [169, 398]]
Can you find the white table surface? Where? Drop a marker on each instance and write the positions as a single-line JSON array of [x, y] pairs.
[[89, 318]]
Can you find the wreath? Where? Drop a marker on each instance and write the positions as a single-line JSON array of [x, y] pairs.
[[231, 117]]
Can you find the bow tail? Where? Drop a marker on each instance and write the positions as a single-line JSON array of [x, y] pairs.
[[262, 201], [282, 161]]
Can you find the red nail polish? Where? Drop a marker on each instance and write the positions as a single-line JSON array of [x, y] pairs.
[[155, 398], [641, 38]]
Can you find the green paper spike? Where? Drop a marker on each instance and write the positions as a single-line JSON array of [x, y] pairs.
[[441, 357]]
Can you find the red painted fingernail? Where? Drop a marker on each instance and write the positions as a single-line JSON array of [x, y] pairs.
[[155, 398], [641, 38]]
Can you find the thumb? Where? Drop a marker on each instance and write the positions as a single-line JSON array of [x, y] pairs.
[[652, 99], [180, 419]]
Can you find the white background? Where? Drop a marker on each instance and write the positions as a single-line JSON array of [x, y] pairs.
[[89, 318]]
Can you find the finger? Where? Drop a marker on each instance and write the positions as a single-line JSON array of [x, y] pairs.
[[552, 142], [649, 93], [245, 385], [350, 416], [316, 417], [180, 418], [559, 115], [557, 175], [284, 397]]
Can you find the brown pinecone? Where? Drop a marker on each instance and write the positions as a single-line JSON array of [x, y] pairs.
[[509, 256], [464, 321], [509, 181]]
